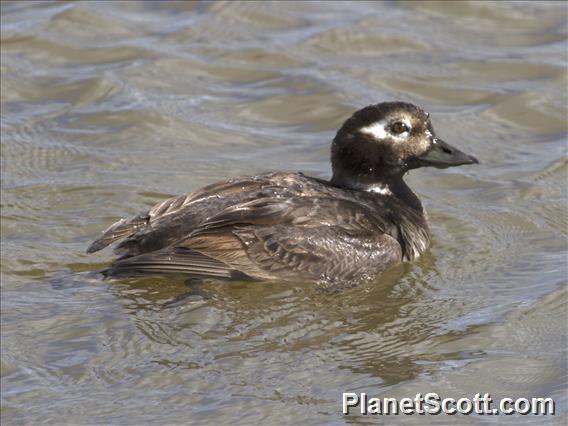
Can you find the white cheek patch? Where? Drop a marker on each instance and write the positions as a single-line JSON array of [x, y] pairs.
[[379, 131], [376, 130]]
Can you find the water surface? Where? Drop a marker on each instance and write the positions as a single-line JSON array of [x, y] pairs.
[[108, 108]]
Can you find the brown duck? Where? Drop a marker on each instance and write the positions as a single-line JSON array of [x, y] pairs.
[[288, 226]]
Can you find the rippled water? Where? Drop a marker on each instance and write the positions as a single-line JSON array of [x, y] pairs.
[[108, 108]]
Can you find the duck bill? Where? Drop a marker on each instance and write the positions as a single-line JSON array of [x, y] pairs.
[[443, 155]]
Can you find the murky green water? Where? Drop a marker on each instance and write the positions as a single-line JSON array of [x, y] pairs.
[[108, 108]]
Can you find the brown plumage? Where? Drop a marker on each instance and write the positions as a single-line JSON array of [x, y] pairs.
[[288, 226]]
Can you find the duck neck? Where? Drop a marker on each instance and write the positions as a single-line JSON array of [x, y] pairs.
[[385, 184]]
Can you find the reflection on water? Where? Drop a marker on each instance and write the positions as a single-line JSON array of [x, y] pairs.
[[108, 108]]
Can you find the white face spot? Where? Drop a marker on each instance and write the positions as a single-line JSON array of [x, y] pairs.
[[380, 130], [429, 139], [377, 130]]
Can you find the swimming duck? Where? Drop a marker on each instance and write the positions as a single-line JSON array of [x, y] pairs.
[[292, 227]]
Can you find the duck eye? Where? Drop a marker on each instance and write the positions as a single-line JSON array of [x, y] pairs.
[[399, 127]]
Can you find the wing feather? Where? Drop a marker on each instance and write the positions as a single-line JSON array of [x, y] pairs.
[[302, 237], [176, 217], [181, 261]]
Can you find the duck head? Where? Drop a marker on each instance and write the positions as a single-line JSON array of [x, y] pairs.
[[384, 141]]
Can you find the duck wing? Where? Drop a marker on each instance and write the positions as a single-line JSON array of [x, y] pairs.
[[175, 217], [176, 260], [299, 238]]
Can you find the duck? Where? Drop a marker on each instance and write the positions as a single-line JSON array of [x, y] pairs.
[[292, 227]]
